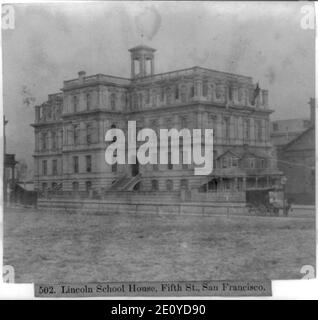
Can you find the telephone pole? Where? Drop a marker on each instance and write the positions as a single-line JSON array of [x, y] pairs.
[[4, 161]]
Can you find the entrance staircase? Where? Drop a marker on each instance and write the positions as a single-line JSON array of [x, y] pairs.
[[125, 183]]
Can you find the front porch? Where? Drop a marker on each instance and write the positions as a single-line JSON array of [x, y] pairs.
[[223, 184]]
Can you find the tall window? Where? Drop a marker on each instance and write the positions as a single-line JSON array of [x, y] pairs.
[[88, 101], [75, 186], [88, 163], [54, 167], [76, 134], [176, 92], [258, 129], [227, 128], [44, 167], [148, 96], [224, 162], [75, 164], [184, 123], [246, 129], [44, 141], [212, 123], [169, 185], [75, 103], [184, 183], [154, 185], [170, 165], [135, 101], [140, 100], [88, 186], [54, 112], [192, 91], [252, 163], [53, 135], [262, 163], [162, 94], [230, 93], [88, 134], [113, 101], [205, 89], [275, 126], [234, 162]]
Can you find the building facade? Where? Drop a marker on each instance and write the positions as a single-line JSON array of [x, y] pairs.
[[70, 129], [296, 159]]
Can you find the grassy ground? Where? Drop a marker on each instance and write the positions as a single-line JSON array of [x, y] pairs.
[[64, 247]]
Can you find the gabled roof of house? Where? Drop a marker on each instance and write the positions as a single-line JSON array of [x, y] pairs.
[[300, 136], [243, 154], [229, 152]]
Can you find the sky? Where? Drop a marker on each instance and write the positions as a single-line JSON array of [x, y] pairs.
[[50, 43]]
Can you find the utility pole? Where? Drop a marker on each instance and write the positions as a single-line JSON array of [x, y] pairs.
[[4, 161]]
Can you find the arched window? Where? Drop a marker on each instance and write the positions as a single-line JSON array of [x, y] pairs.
[[169, 185]]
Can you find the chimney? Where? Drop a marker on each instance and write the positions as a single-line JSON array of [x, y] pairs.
[[81, 76], [312, 104]]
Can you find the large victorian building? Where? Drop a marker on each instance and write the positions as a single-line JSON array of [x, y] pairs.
[[70, 130]]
